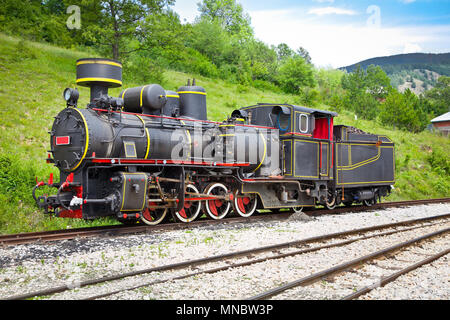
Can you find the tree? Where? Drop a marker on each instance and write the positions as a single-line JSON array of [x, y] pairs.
[[263, 60], [117, 20], [230, 14], [377, 82], [373, 80], [440, 96], [35, 20], [302, 52], [209, 38], [365, 88], [284, 52], [354, 82], [403, 111], [295, 73]]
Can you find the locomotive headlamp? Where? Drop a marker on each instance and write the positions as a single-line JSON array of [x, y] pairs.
[[71, 96]]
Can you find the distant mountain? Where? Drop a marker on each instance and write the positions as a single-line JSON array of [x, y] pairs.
[[416, 71]]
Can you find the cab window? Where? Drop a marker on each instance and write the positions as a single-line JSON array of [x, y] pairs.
[[283, 121], [303, 123]]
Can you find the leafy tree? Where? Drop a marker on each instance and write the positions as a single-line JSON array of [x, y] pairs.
[[377, 82], [329, 83], [229, 13], [440, 96], [302, 52], [35, 20], [373, 80], [365, 106], [262, 59], [284, 52], [364, 89], [403, 111], [295, 73], [118, 20], [354, 82], [209, 38]]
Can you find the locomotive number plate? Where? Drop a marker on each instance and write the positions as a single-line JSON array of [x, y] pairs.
[[62, 141]]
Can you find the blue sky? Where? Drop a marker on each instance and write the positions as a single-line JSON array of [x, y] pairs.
[[343, 32]]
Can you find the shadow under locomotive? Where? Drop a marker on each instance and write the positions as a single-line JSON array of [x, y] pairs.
[[152, 153]]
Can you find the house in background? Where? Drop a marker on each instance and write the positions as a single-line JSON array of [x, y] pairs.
[[442, 124]]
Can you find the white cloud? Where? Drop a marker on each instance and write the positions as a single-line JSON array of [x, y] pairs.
[[411, 48], [322, 1], [338, 45], [331, 10]]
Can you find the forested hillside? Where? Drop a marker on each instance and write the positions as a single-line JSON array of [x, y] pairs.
[[219, 50], [418, 72]]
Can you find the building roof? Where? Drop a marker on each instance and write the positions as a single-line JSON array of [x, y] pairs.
[[442, 117]]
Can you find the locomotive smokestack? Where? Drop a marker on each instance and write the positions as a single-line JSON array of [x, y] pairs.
[[99, 75]]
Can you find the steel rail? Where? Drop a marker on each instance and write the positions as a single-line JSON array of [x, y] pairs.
[[195, 262], [23, 238], [387, 279], [254, 261], [344, 266]]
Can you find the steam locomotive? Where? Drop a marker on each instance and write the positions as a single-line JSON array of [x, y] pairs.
[[151, 153]]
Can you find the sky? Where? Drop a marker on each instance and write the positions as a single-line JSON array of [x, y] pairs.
[[338, 33]]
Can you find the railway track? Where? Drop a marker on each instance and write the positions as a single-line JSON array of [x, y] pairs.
[[24, 238], [344, 267], [272, 252]]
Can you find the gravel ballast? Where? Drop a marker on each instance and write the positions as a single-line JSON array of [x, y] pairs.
[[32, 267]]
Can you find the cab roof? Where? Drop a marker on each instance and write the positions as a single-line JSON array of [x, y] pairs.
[[286, 109]]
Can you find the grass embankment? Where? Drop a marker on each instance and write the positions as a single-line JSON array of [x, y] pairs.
[[34, 76]]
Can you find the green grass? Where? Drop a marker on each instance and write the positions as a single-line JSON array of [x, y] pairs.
[[34, 75]]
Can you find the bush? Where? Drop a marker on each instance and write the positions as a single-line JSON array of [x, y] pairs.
[[439, 161], [337, 103], [404, 111], [365, 106], [17, 178], [143, 69], [309, 96], [295, 73]]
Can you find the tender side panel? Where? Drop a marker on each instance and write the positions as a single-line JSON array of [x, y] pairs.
[[365, 163]]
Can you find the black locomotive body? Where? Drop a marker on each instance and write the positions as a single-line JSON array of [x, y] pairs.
[[152, 153]]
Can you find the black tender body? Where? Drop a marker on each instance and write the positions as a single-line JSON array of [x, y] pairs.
[[152, 153]]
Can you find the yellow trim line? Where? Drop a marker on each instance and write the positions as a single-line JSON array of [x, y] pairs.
[[123, 93], [100, 80], [87, 140], [361, 163], [140, 99], [193, 92], [148, 137], [265, 151], [100, 62]]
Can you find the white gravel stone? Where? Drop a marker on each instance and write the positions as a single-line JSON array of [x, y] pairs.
[[32, 267]]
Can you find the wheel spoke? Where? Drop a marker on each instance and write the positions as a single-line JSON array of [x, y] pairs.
[[244, 205], [217, 208], [191, 209]]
